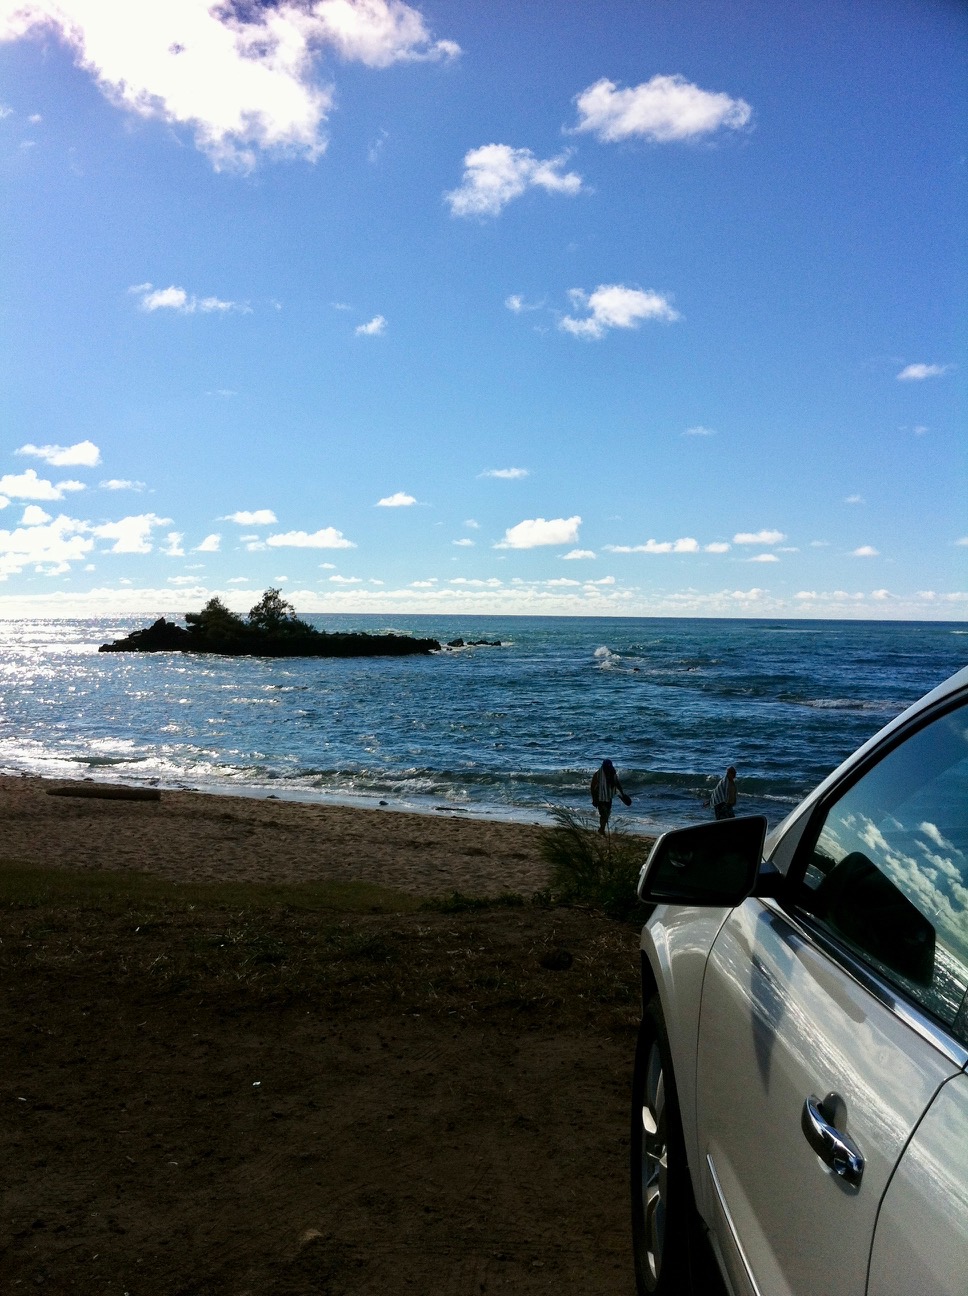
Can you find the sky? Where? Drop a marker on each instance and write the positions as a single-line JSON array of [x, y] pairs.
[[577, 308]]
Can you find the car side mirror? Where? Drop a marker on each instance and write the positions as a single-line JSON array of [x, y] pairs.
[[713, 864]]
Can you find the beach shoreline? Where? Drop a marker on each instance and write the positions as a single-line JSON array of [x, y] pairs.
[[202, 836]]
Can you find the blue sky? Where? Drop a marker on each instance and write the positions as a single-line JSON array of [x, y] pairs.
[[591, 308]]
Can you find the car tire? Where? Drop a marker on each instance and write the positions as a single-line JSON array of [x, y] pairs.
[[663, 1210]]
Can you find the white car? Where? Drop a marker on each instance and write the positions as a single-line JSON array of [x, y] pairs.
[[800, 1093]]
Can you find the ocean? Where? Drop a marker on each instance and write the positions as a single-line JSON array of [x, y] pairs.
[[510, 731]]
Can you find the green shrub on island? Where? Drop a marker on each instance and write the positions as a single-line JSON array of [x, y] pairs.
[[271, 629]]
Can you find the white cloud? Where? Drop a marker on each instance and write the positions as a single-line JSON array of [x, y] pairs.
[[120, 483], [865, 551], [240, 76], [177, 299], [183, 580], [717, 547], [504, 474], [131, 534], [615, 306], [759, 537], [918, 372], [516, 303], [376, 326], [27, 485], [578, 553], [399, 500], [496, 173], [210, 544], [684, 545], [853, 499], [492, 582], [603, 580], [347, 580], [255, 517], [238, 580], [34, 515], [84, 454], [325, 538], [50, 546], [561, 581], [173, 545], [764, 558], [881, 595], [962, 541], [463, 544], [328, 566], [699, 431], [424, 584], [474, 526], [4, 502], [663, 109], [537, 531]]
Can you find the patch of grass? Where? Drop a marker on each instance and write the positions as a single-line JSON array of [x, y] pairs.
[[590, 868], [457, 902], [24, 887]]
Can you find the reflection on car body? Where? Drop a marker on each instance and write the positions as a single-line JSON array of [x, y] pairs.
[[800, 1095]]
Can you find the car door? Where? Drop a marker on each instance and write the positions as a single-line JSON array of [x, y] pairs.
[[836, 1018]]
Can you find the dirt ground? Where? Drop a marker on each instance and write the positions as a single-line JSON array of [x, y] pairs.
[[249, 1093]]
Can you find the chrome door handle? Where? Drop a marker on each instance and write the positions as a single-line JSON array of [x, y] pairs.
[[837, 1150]]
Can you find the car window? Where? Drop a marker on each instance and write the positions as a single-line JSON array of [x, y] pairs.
[[887, 872]]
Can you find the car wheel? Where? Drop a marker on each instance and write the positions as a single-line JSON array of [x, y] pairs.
[[662, 1201]]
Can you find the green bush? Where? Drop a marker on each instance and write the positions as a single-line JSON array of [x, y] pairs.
[[595, 869]]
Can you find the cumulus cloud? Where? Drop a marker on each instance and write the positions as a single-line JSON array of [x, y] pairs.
[[716, 547], [240, 76], [256, 517], [615, 306], [121, 483], [759, 537], [398, 500], [347, 580], [49, 547], [684, 545], [764, 558], [324, 538], [84, 454], [853, 499], [918, 372], [374, 328], [210, 544], [504, 474], [699, 431], [515, 302], [665, 109], [865, 551], [578, 553], [177, 299], [27, 485], [463, 544], [34, 515], [173, 545], [131, 535], [537, 531], [495, 174]]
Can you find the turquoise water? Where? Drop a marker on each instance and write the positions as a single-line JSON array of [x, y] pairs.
[[507, 731]]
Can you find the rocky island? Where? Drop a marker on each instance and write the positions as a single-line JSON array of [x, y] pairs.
[[271, 629]]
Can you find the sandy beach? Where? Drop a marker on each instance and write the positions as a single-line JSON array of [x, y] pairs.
[[198, 837], [276, 1090]]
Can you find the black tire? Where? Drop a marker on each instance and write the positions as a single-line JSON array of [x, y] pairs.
[[663, 1210]]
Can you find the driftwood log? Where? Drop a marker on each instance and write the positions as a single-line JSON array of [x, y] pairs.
[[112, 791]]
